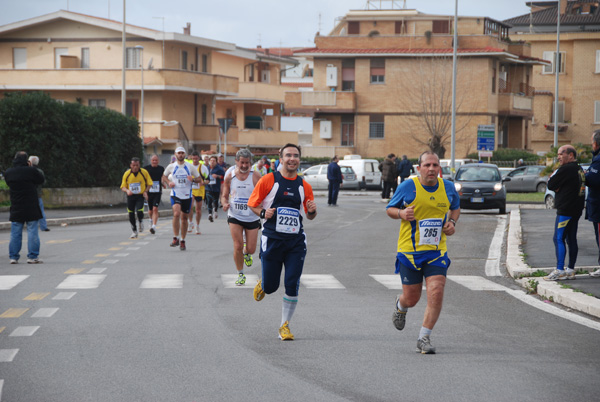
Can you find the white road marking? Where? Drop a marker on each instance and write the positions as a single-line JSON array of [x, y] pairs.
[[229, 281], [8, 355], [81, 282], [479, 283], [122, 255], [8, 282], [320, 281], [167, 281], [110, 261], [492, 265], [96, 270], [143, 243], [1, 385], [44, 313], [129, 249], [389, 281], [64, 296], [24, 331]]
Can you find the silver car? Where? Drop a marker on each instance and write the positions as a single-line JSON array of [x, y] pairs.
[[316, 176], [527, 179]]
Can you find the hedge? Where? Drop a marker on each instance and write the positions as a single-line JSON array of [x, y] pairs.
[[78, 146]]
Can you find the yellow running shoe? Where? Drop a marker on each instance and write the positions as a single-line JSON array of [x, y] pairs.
[[259, 293], [284, 332]]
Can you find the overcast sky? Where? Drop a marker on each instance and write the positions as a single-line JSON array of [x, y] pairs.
[[247, 23]]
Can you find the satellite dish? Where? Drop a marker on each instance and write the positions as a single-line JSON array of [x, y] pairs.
[[150, 64]]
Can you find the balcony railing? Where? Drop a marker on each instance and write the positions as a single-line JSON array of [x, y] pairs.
[[321, 101], [507, 87]]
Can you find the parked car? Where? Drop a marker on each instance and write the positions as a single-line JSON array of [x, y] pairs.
[[505, 170], [316, 176], [527, 179], [481, 186], [367, 171]]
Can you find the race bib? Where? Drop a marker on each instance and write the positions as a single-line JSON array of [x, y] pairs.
[[240, 206], [212, 181], [181, 181], [430, 232], [135, 188], [195, 186], [155, 187], [288, 220]]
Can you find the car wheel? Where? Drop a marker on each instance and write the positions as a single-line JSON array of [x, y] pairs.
[[541, 188], [549, 202], [502, 209]]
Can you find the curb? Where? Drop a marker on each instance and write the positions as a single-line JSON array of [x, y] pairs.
[[516, 268]]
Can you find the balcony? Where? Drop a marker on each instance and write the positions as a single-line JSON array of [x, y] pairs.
[[320, 102], [110, 80], [515, 104]]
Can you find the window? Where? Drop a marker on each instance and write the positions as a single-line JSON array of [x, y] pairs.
[[85, 57], [377, 71], [97, 103], [184, 60], [376, 126], [205, 63], [204, 113], [494, 80], [347, 131], [131, 108], [561, 111], [353, 28], [400, 27], [133, 57], [19, 58], [441, 27], [551, 57], [251, 73], [348, 75], [596, 112], [598, 61]]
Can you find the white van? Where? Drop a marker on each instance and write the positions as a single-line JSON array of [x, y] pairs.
[[367, 171], [457, 162]]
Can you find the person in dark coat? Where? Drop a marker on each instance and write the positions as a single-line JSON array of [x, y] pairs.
[[334, 175], [34, 160], [22, 180], [405, 168], [389, 175], [592, 181]]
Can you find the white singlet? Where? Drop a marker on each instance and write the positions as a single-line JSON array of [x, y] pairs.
[[239, 194]]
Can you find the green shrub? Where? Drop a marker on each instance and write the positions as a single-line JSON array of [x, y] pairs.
[[78, 146], [508, 154]]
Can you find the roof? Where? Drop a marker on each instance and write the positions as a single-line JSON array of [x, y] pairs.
[[548, 16], [257, 54], [116, 26], [277, 51], [394, 51], [152, 141]]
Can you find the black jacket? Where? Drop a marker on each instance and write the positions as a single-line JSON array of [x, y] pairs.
[[568, 182], [23, 181], [592, 180]]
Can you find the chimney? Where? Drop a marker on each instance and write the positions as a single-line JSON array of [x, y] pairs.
[[187, 30], [563, 6]]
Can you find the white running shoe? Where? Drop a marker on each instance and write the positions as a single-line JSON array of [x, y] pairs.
[[134, 235], [141, 226], [197, 229], [570, 274], [596, 273], [190, 227], [556, 275], [216, 215]]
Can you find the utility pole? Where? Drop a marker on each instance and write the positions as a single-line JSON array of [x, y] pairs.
[[454, 59], [123, 42], [556, 71]]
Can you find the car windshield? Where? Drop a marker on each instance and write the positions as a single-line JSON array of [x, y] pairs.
[[477, 173], [347, 170]]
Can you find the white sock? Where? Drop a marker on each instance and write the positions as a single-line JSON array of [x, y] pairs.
[[424, 332], [288, 308], [403, 309]]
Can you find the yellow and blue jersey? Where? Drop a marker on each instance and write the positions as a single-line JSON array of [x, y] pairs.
[[422, 241]]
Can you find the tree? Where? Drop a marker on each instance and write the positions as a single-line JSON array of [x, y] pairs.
[[78, 146], [430, 98]]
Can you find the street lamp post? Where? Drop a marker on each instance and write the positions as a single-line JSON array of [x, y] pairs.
[[141, 48]]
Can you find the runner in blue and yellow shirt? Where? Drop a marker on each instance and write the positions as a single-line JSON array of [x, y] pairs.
[[428, 207], [136, 183]]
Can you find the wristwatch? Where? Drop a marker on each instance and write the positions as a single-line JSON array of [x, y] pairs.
[[453, 221], [262, 214]]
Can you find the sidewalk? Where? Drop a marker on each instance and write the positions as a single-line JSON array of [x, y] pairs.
[[530, 248]]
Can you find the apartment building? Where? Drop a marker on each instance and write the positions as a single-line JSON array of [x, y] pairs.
[[79, 58], [382, 83], [578, 68], [255, 112]]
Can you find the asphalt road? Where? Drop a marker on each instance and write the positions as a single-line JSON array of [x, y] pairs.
[[106, 318]]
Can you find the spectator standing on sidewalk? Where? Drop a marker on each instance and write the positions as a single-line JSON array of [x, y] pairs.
[[22, 180], [334, 176], [389, 175], [592, 180], [34, 160], [405, 168], [568, 182]]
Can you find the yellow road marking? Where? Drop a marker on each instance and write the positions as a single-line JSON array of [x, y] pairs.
[[74, 271], [59, 241], [115, 248], [101, 255], [125, 243], [89, 261], [2, 329], [13, 313], [36, 296]]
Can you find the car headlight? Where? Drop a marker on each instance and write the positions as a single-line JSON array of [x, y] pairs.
[[497, 186], [458, 186]]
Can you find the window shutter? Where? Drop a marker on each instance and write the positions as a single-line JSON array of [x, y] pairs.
[[353, 28], [597, 112], [549, 56]]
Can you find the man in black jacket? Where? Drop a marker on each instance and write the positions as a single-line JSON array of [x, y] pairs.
[[592, 180], [568, 182], [23, 179], [335, 178]]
